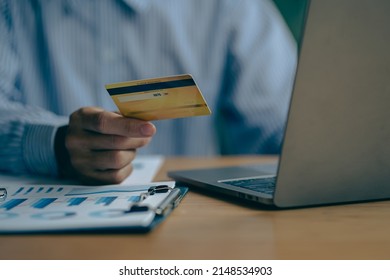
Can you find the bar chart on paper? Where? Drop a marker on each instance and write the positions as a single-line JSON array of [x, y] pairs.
[[31, 208], [9, 205], [34, 204], [43, 197]]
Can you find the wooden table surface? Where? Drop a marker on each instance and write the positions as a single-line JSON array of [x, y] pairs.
[[206, 227]]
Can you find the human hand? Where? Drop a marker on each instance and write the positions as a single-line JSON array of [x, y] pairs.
[[98, 146]]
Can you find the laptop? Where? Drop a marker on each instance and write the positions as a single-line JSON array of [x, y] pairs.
[[336, 146]]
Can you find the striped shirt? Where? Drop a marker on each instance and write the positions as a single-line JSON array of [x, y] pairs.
[[56, 56]]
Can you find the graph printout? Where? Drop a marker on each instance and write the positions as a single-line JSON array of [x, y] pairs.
[[29, 208]]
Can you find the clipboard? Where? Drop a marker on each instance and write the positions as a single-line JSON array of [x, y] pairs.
[[72, 208]]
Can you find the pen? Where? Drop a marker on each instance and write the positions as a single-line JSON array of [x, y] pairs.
[[168, 202], [3, 194]]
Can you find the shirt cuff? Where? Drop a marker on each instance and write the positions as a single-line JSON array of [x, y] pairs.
[[38, 149]]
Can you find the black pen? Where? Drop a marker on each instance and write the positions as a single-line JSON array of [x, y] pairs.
[[3, 194], [168, 202]]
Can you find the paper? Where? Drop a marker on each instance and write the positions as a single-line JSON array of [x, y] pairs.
[[145, 168], [44, 204], [32, 208]]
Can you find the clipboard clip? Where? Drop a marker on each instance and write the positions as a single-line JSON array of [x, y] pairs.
[[169, 202], [3, 194]]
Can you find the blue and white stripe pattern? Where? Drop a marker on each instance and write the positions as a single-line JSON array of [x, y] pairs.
[[56, 56]]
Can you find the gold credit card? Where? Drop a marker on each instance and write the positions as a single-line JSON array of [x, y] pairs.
[[159, 98]]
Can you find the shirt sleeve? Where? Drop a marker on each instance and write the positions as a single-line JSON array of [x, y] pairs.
[[261, 64], [26, 132]]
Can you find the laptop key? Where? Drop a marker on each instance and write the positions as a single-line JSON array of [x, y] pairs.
[[263, 185]]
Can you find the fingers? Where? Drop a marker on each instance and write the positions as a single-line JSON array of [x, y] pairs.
[[111, 176], [103, 167], [104, 122], [96, 141], [104, 160], [102, 145]]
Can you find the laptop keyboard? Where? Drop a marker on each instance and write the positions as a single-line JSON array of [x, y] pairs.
[[264, 185]]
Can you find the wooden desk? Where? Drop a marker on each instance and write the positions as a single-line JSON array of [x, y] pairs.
[[203, 227]]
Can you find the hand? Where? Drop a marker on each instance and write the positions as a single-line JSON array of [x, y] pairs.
[[98, 146]]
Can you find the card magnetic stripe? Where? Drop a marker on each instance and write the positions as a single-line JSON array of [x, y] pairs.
[[154, 86]]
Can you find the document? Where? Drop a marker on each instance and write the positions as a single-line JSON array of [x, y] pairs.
[[57, 208], [144, 170], [31, 204]]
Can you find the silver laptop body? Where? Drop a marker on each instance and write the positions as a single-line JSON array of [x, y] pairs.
[[336, 146]]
